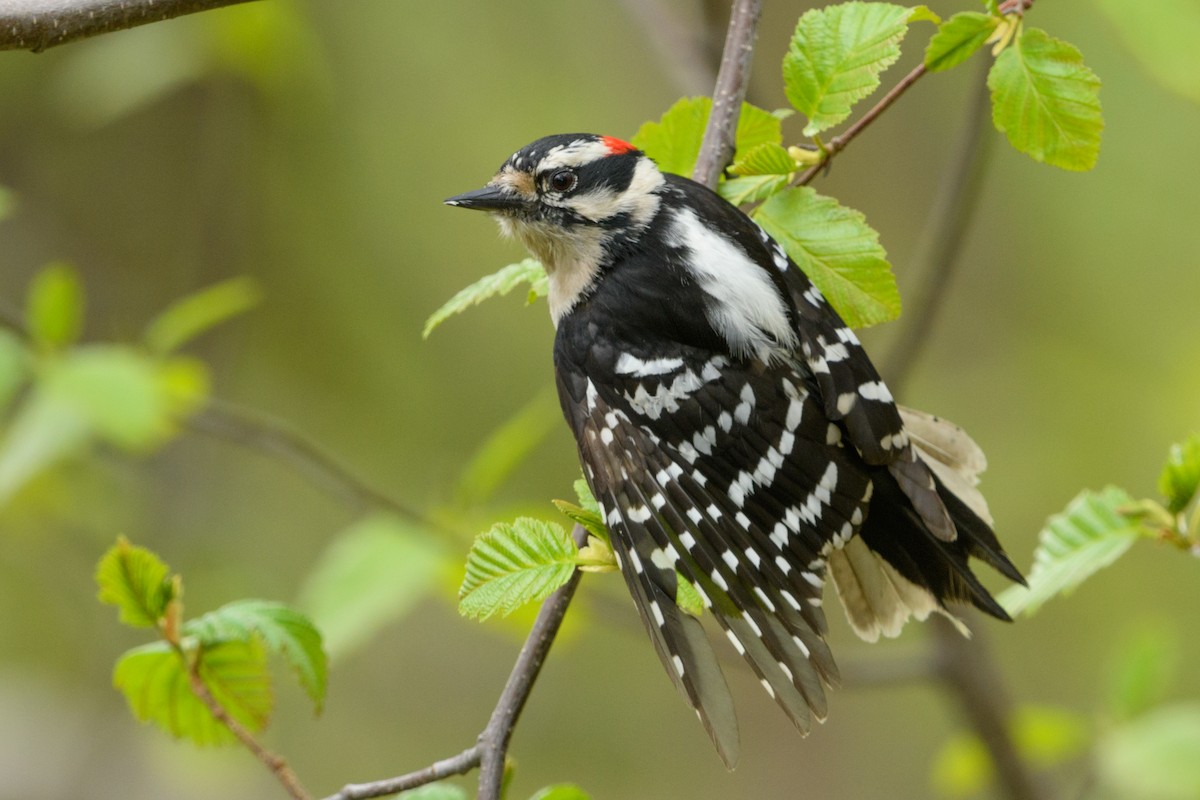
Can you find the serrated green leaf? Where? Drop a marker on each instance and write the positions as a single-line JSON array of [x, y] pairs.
[[562, 791], [513, 564], [507, 447], [54, 308], [1181, 474], [590, 521], [687, 597], [674, 140], [285, 631], [586, 500], [836, 56], [923, 14], [434, 791], [767, 158], [839, 252], [957, 39], [1088, 536], [1047, 101], [14, 367], [529, 271], [1163, 39], [188, 317], [374, 573], [155, 683], [1153, 756], [752, 188], [1143, 669], [137, 582]]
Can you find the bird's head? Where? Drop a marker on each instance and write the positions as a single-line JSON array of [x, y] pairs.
[[576, 201]]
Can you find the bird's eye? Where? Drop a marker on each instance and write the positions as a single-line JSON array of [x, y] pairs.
[[563, 181]]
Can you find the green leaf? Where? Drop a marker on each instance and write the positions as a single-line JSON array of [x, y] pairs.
[[530, 271], [508, 447], [1047, 101], [752, 188], [836, 55], [14, 367], [767, 158], [1153, 756], [687, 597], [1163, 39], [187, 318], [1088, 536], [513, 564], [923, 14], [54, 308], [562, 791], [43, 431], [957, 39], [137, 582], [374, 572], [961, 767], [1181, 474], [1142, 671], [434, 791], [674, 140], [839, 252], [154, 680], [587, 513], [284, 631]]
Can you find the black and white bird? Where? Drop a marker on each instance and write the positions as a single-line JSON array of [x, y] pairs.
[[733, 429]]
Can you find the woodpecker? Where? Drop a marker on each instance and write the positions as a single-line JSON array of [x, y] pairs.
[[733, 429]]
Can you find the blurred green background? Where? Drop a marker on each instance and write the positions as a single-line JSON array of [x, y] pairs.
[[309, 145]]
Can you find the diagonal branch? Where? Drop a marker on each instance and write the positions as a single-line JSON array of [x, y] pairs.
[[38, 24], [729, 92]]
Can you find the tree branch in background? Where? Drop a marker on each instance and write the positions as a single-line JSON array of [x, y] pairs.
[[38, 24], [224, 420], [948, 220], [682, 45], [491, 749], [729, 92]]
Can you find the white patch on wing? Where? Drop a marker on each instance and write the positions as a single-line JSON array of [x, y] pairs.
[[746, 309], [629, 364]]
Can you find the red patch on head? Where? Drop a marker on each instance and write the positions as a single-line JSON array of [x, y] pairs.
[[616, 146]]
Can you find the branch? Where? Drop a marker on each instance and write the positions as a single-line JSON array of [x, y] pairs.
[[838, 143], [272, 437], [949, 218], [729, 92], [491, 748], [38, 24], [276, 763], [683, 47]]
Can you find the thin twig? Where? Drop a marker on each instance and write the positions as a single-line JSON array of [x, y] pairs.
[[276, 763], [38, 24], [838, 143], [949, 218], [228, 421], [491, 749], [728, 94], [460, 764]]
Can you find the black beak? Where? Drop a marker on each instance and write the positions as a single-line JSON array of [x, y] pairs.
[[489, 198]]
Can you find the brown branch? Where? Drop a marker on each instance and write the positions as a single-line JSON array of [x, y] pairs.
[[838, 143], [276, 763], [491, 749], [228, 421], [728, 94], [38, 24]]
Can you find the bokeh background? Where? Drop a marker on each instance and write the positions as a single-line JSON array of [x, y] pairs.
[[309, 145]]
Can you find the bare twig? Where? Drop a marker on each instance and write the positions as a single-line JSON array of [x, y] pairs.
[[491, 749], [228, 421], [38, 24], [949, 218], [276, 763], [838, 143], [729, 92]]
